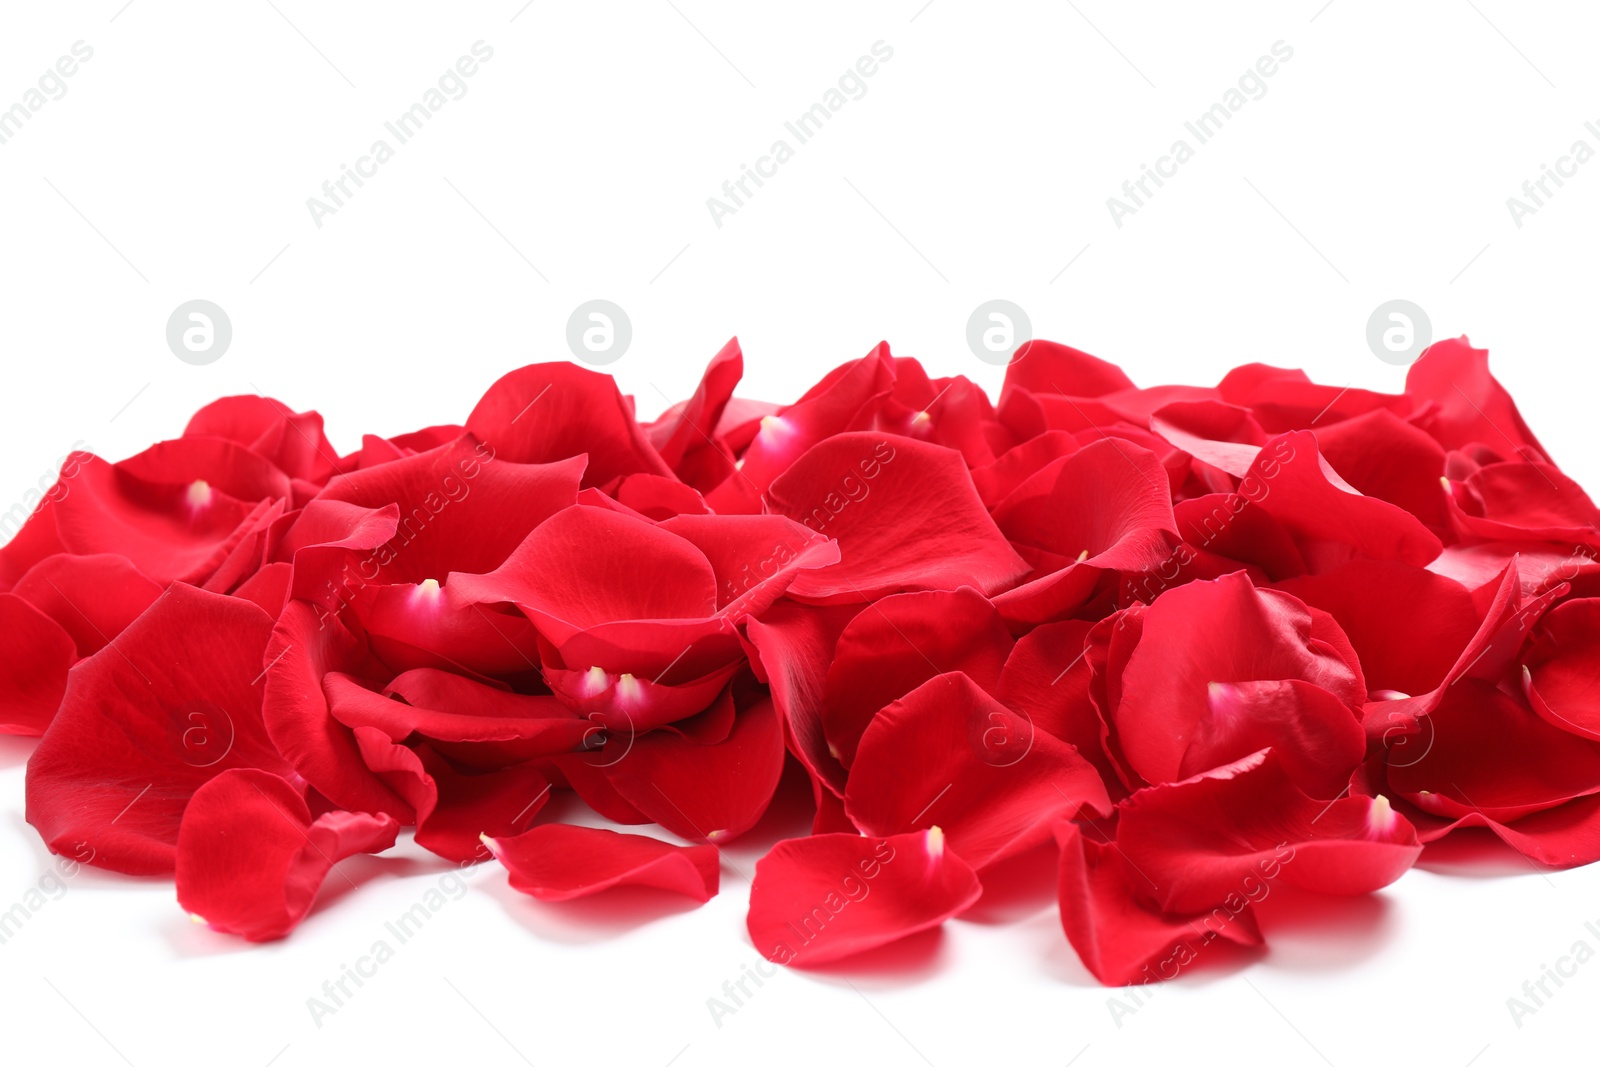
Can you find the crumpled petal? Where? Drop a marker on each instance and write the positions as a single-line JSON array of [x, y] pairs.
[[250, 858], [1120, 938]]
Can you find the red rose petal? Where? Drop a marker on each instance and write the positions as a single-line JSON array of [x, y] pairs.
[[556, 862], [556, 411], [703, 791], [1121, 939], [949, 754], [905, 514], [1563, 675], [822, 898], [1468, 406], [92, 598], [172, 702], [34, 676], [250, 858], [793, 647], [1224, 631], [1199, 841], [900, 642]]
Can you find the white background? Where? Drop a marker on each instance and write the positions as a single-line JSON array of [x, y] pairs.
[[178, 164]]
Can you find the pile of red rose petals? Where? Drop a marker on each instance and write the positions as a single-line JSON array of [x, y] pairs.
[[1198, 641]]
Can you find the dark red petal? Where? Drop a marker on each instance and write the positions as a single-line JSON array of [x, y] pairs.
[[331, 544], [556, 862], [250, 858], [557, 411], [822, 898], [171, 703], [449, 707], [905, 514], [1222, 532], [1522, 501], [1388, 458], [996, 481], [454, 808], [1121, 939], [948, 754], [657, 497], [1508, 616], [1196, 842], [1047, 679], [498, 803], [1564, 836]]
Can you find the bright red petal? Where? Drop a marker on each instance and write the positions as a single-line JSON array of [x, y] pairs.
[[250, 858], [822, 898], [905, 514], [950, 755], [556, 862], [171, 703]]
